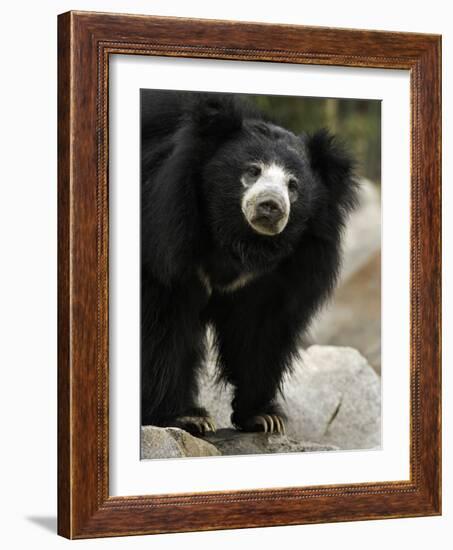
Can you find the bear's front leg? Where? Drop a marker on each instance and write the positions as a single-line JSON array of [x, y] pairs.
[[257, 336]]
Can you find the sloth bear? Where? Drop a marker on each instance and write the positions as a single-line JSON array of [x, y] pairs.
[[241, 222]]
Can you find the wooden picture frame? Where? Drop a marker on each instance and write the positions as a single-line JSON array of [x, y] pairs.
[[85, 42]]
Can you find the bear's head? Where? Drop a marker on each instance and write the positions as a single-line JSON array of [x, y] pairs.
[[263, 187], [260, 178]]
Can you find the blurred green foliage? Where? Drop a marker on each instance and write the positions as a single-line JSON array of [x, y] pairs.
[[357, 122]]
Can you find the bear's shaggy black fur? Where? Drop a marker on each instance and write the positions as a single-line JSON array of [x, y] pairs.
[[209, 257]]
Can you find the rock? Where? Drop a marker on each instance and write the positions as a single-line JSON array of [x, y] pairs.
[[173, 443], [332, 398], [232, 442]]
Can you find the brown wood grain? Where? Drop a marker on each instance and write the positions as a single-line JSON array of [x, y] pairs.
[[64, 372], [85, 41]]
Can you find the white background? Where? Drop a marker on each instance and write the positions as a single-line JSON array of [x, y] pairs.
[[28, 274], [129, 476]]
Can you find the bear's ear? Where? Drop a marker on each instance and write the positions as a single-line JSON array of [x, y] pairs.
[[335, 167], [216, 115]]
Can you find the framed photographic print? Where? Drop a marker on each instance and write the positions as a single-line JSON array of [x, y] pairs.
[[249, 275]]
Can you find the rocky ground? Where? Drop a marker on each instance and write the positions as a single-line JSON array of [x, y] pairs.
[[332, 400]]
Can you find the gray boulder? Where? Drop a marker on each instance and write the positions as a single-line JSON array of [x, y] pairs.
[[173, 443], [332, 398]]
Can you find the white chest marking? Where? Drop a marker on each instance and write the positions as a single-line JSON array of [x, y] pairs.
[[236, 284]]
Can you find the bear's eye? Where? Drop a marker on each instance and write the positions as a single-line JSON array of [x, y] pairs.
[[253, 171], [292, 184]]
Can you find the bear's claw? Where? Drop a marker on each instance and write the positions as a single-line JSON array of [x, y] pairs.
[[269, 423], [197, 425]]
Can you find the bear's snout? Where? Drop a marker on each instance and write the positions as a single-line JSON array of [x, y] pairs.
[[267, 211], [270, 209]]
